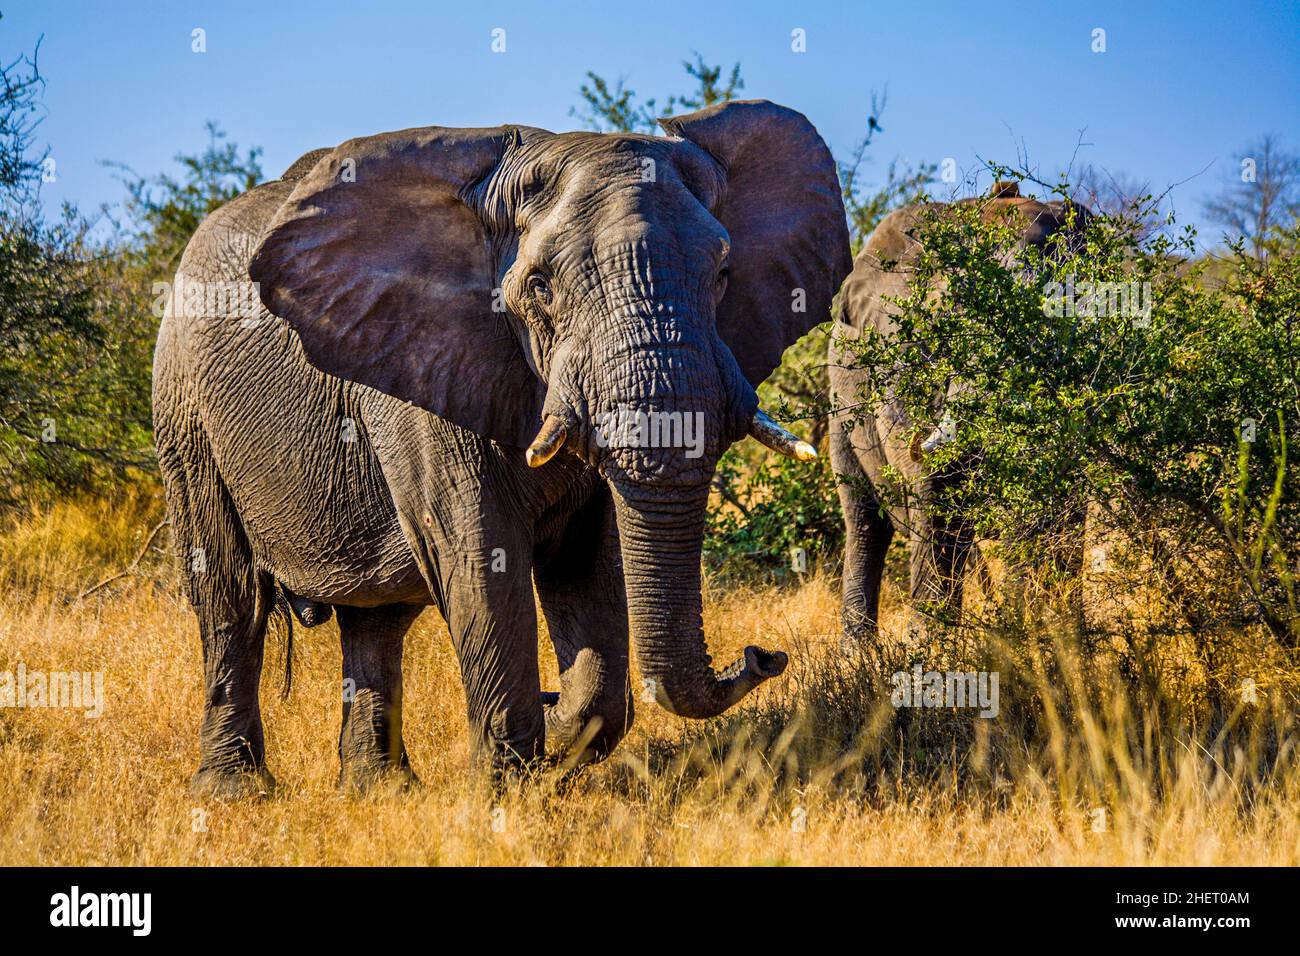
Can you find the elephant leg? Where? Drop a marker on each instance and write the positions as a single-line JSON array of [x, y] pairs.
[[370, 740], [493, 625], [580, 583], [939, 550], [469, 529], [232, 601], [868, 532]]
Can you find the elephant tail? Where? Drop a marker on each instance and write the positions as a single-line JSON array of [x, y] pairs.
[[282, 616]]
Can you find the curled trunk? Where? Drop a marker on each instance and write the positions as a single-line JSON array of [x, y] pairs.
[[661, 543]]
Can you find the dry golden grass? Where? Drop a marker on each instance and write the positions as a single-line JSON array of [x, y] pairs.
[[815, 769]]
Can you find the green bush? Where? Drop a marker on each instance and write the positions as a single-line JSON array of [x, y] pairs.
[[770, 510], [77, 317], [1104, 373], [74, 363]]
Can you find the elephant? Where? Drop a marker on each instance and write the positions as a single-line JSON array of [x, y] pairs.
[[477, 362], [877, 450]]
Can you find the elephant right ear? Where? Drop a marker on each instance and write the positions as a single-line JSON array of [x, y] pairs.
[[387, 275]]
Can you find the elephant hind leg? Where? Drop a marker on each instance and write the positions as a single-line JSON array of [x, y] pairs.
[[370, 740], [939, 552], [232, 601]]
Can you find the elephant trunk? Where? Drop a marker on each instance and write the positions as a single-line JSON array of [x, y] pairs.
[[661, 540], [654, 416]]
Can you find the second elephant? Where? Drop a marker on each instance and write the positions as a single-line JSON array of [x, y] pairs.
[[878, 451]]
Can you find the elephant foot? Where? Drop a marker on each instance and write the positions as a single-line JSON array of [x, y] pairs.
[[228, 785], [361, 777], [859, 640], [583, 739], [858, 625], [586, 720]]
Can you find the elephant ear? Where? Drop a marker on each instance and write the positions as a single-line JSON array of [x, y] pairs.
[[387, 275], [782, 205]]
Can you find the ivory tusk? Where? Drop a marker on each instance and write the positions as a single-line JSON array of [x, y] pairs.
[[548, 441], [778, 439], [945, 433]]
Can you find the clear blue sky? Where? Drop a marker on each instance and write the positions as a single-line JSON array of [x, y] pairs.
[[1181, 86]]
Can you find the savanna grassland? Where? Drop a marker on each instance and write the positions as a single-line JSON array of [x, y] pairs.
[[1091, 760]]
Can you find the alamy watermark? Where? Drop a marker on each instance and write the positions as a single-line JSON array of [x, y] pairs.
[[75, 908], [75, 690], [1090, 300], [196, 298], [917, 688], [633, 428]]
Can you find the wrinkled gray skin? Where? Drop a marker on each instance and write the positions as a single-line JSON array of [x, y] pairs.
[[864, 442], [359, 441]]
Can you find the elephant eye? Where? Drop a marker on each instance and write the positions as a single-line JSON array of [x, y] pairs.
[[724, 275], [539, 288]]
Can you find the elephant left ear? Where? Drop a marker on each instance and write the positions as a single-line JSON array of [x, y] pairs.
[[782, 205]]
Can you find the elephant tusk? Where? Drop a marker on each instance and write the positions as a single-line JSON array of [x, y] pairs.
[[778, 439], [942, 435], [548, 441], [938, 438]]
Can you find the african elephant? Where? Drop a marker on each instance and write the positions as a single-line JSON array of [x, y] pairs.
[[481, 361], [863, 446]]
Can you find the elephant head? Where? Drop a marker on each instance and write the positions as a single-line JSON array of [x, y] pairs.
[[896, 241], [616, 296]]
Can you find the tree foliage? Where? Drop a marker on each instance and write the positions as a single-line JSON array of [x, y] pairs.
[[54, 349], [1102, 375], [21, 86], [164, 210], [1260, 198], [76, 320], [617, 109]]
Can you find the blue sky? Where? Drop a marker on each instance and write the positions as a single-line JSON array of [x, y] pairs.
[[1180, 87]]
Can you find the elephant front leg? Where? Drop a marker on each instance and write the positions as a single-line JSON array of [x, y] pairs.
[[370, 741], [868, 532], [458, 501], [493, 624], [580, 584]]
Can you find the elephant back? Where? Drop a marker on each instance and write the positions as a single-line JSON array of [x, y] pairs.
[[882, 268]]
